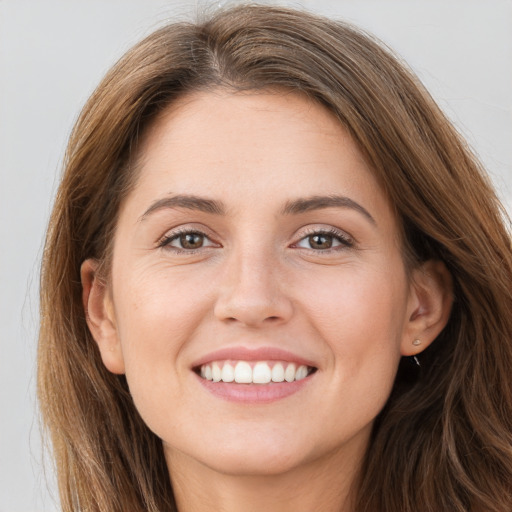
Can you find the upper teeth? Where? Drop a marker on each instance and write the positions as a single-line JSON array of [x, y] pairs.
[[260, 372]]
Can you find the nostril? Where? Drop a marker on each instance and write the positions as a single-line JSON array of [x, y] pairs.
[[252, 304]]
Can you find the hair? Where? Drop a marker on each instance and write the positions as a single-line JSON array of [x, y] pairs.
[[444, 439]]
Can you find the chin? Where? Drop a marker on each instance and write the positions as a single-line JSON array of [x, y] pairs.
[[261, 453], [261, 462]]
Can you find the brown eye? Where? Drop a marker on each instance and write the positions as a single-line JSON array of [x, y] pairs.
[[319, 241], [325, 241], [187, 241], [191, 240]]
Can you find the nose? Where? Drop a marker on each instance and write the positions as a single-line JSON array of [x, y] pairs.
[[252, 293]]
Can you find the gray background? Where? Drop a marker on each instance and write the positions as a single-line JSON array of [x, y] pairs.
[[53, 53]]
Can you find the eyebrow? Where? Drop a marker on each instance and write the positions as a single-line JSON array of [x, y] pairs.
[[188, 202], [303, 205], [295, 207]]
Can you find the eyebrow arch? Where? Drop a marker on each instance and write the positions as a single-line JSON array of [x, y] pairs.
[[188, 202], [307, 204]]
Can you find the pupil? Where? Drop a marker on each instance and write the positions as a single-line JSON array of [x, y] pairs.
[[191, 240], [320, 241]]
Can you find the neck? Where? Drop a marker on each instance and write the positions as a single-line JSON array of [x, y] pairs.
[[319, 485]]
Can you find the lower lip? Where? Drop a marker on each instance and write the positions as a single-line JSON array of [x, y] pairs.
[[254, 393]]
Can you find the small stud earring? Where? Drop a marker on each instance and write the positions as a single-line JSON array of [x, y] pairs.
[[416, 343]]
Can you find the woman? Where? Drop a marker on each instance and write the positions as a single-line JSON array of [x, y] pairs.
[[275, 278]]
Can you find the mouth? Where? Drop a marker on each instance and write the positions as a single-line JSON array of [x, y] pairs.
[[253, 372], [250, 376]]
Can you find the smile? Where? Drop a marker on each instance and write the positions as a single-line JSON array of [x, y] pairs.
[[254, 372], [254, 375]]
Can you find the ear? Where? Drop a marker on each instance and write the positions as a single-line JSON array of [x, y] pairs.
[[99, 312], [429, 306]]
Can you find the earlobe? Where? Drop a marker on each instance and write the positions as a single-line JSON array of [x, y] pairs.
[[430, 304], [100, 317]]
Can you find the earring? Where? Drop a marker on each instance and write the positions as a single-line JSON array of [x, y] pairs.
[[416, 343]]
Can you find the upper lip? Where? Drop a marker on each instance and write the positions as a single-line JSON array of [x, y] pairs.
[[252, 354]]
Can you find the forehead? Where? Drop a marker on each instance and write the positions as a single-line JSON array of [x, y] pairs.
[[250, 148]]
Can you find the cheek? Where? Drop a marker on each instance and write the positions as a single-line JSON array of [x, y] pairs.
[[157, 313], [361, 323], [353, 301], [361, 317], [158, 306]]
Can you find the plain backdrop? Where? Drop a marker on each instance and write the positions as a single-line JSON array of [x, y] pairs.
[[53, 53]]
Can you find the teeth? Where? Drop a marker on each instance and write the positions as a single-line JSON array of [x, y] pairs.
[[302, 373], [289, 373], [216, 372], [278, 373], [228, 373], [243, 373], [260, 372]]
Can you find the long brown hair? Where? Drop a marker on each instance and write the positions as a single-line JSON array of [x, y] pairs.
[[444, 439]]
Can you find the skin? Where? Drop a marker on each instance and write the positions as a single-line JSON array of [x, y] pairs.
[[352, 310]]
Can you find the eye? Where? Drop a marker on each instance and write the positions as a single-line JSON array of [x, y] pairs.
[[186, 241], [325, 240]]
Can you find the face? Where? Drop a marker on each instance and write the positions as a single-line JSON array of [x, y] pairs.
[[256, 246]]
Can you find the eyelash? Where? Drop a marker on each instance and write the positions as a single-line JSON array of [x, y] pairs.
[[345, 241], [165, 241]]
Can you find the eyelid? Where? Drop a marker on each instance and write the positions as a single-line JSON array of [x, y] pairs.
[[347, 241], [172, 234]]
